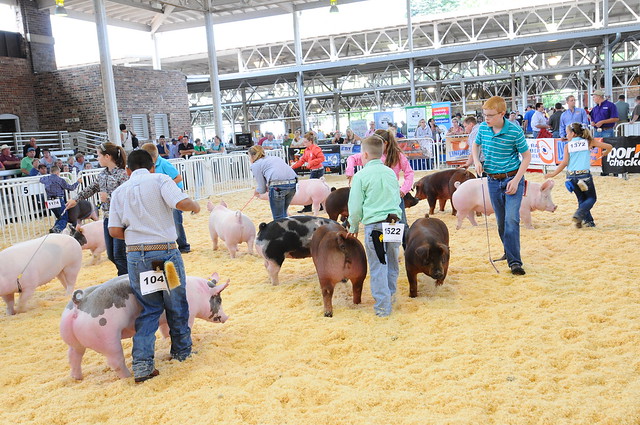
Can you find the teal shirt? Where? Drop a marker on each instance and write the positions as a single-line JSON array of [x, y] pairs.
[[375, 193], [579, 154], [501, 150]]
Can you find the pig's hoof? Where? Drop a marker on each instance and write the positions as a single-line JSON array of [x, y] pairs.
[[328, 314], [413, 295]]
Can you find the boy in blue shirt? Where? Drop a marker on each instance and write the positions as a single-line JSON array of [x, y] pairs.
[[374, 199], [501, 142]]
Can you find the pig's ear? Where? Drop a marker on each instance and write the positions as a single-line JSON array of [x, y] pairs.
[[340, 240], [547, 184], [444, 249], [210, 206], [219, 288], [224, 204], [422, 251]]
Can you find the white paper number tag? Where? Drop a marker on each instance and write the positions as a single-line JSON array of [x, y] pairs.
[[53, 203], [392, 232], [151, 282]]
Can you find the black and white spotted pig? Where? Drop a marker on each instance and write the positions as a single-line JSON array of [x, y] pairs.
[[288, 237], [99, 316]]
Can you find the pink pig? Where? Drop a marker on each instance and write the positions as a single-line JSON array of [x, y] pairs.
[[312, 191], [100, 316], [91, 237], [232, 227], [468, 200], [27, 265]]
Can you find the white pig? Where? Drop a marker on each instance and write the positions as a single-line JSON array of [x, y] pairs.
[[308, 192], [30, 264], [468, 200], [90, 236], [232, 227]]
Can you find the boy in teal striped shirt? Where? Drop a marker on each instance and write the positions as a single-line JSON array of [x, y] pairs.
[[501, 142], [374, 195]]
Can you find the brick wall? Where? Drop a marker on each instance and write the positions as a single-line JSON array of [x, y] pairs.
[[163, 92], [77, 93], [36, 28], [17, 94]]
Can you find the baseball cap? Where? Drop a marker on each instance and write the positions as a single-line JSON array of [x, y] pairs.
[[3, 147], [31, 149], [180, 137], [598, 93]]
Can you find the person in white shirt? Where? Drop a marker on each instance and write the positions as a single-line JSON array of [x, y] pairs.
[[538, 121]]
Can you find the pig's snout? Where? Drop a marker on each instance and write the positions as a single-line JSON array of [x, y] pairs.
[[438, 275], [220, 318], [553, 208]]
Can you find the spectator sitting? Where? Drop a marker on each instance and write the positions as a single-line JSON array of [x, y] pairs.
[[199, 148], [268, 139], [88, 166], [456, 129], [337, 138], [372, 129], [32, 144], [59, 164], [352, 137], [217, 146], [80, 163], [320, 134], [35, 164], [163, 147], [394, 129], [26, 164], [185, 149], [10, 162], [48, 159], [70, 162], [66, 168], [42, 170]]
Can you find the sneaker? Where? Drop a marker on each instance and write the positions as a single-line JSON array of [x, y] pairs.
[[153, 374], [517, 270], [577, 221], [54, 230], [183, 358], [306, 209], [503, 258], [185, 251], [589, 224]]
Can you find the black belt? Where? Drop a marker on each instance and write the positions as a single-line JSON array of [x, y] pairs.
[[164, 246], [502, 176], [278, 182]]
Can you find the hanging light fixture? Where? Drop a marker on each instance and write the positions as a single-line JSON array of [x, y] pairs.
[[334, 6], [60, 10]]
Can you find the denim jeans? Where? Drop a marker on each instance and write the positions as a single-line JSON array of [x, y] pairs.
[[183, 245], [606, 132], [61, 219], [280, 197], [556, 134], [507, 209], [383, 277], [173, 302], [586, 199], [316, 174], [535, 134], [116, 250]]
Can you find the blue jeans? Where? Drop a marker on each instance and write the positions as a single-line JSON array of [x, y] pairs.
[[383, 277], [586, 199], [556, 134], [280, 197], [535, 134], [173, 302], [316, 174], [606, 132], [116, 249], [183, 245], [507, 209], [61, 219]]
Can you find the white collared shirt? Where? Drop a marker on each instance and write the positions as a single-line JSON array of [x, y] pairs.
[[143, 207]]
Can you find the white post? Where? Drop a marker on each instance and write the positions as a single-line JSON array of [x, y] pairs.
[[106, 71], [213, 72]]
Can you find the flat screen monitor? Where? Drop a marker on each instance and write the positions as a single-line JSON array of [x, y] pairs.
[[243, 139]]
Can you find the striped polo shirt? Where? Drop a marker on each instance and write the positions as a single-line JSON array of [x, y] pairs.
[[501, 150]]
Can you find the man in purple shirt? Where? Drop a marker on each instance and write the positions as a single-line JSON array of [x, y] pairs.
[[604, 115]]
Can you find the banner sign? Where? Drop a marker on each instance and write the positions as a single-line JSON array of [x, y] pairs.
[[383, 119], [624, 157], [442, 115], [411, 149], [457, 149], [551, 152], [414, 115], [331, 158], [359, 127]]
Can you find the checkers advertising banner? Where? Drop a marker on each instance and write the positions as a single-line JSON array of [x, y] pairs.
[[624, 157]]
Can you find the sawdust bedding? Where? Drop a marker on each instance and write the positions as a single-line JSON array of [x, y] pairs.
[[557, 346]]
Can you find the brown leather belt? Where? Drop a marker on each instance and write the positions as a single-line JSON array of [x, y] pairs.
[[573, 173], [502, 176], [165, 246]]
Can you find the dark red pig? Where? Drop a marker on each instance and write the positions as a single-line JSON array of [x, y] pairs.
[[427, 252], [338, 257], [439, 186]]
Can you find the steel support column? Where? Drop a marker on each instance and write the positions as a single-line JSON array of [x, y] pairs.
[[106, 71], [463, 97], [156, 51], [245, 111], [213, 74], [299, 75], [336, 103]]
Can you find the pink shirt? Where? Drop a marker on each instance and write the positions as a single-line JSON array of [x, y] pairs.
[[402, 165]]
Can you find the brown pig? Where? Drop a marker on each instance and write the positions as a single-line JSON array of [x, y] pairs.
[[338, 257], [427, 252], [440, 186]]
